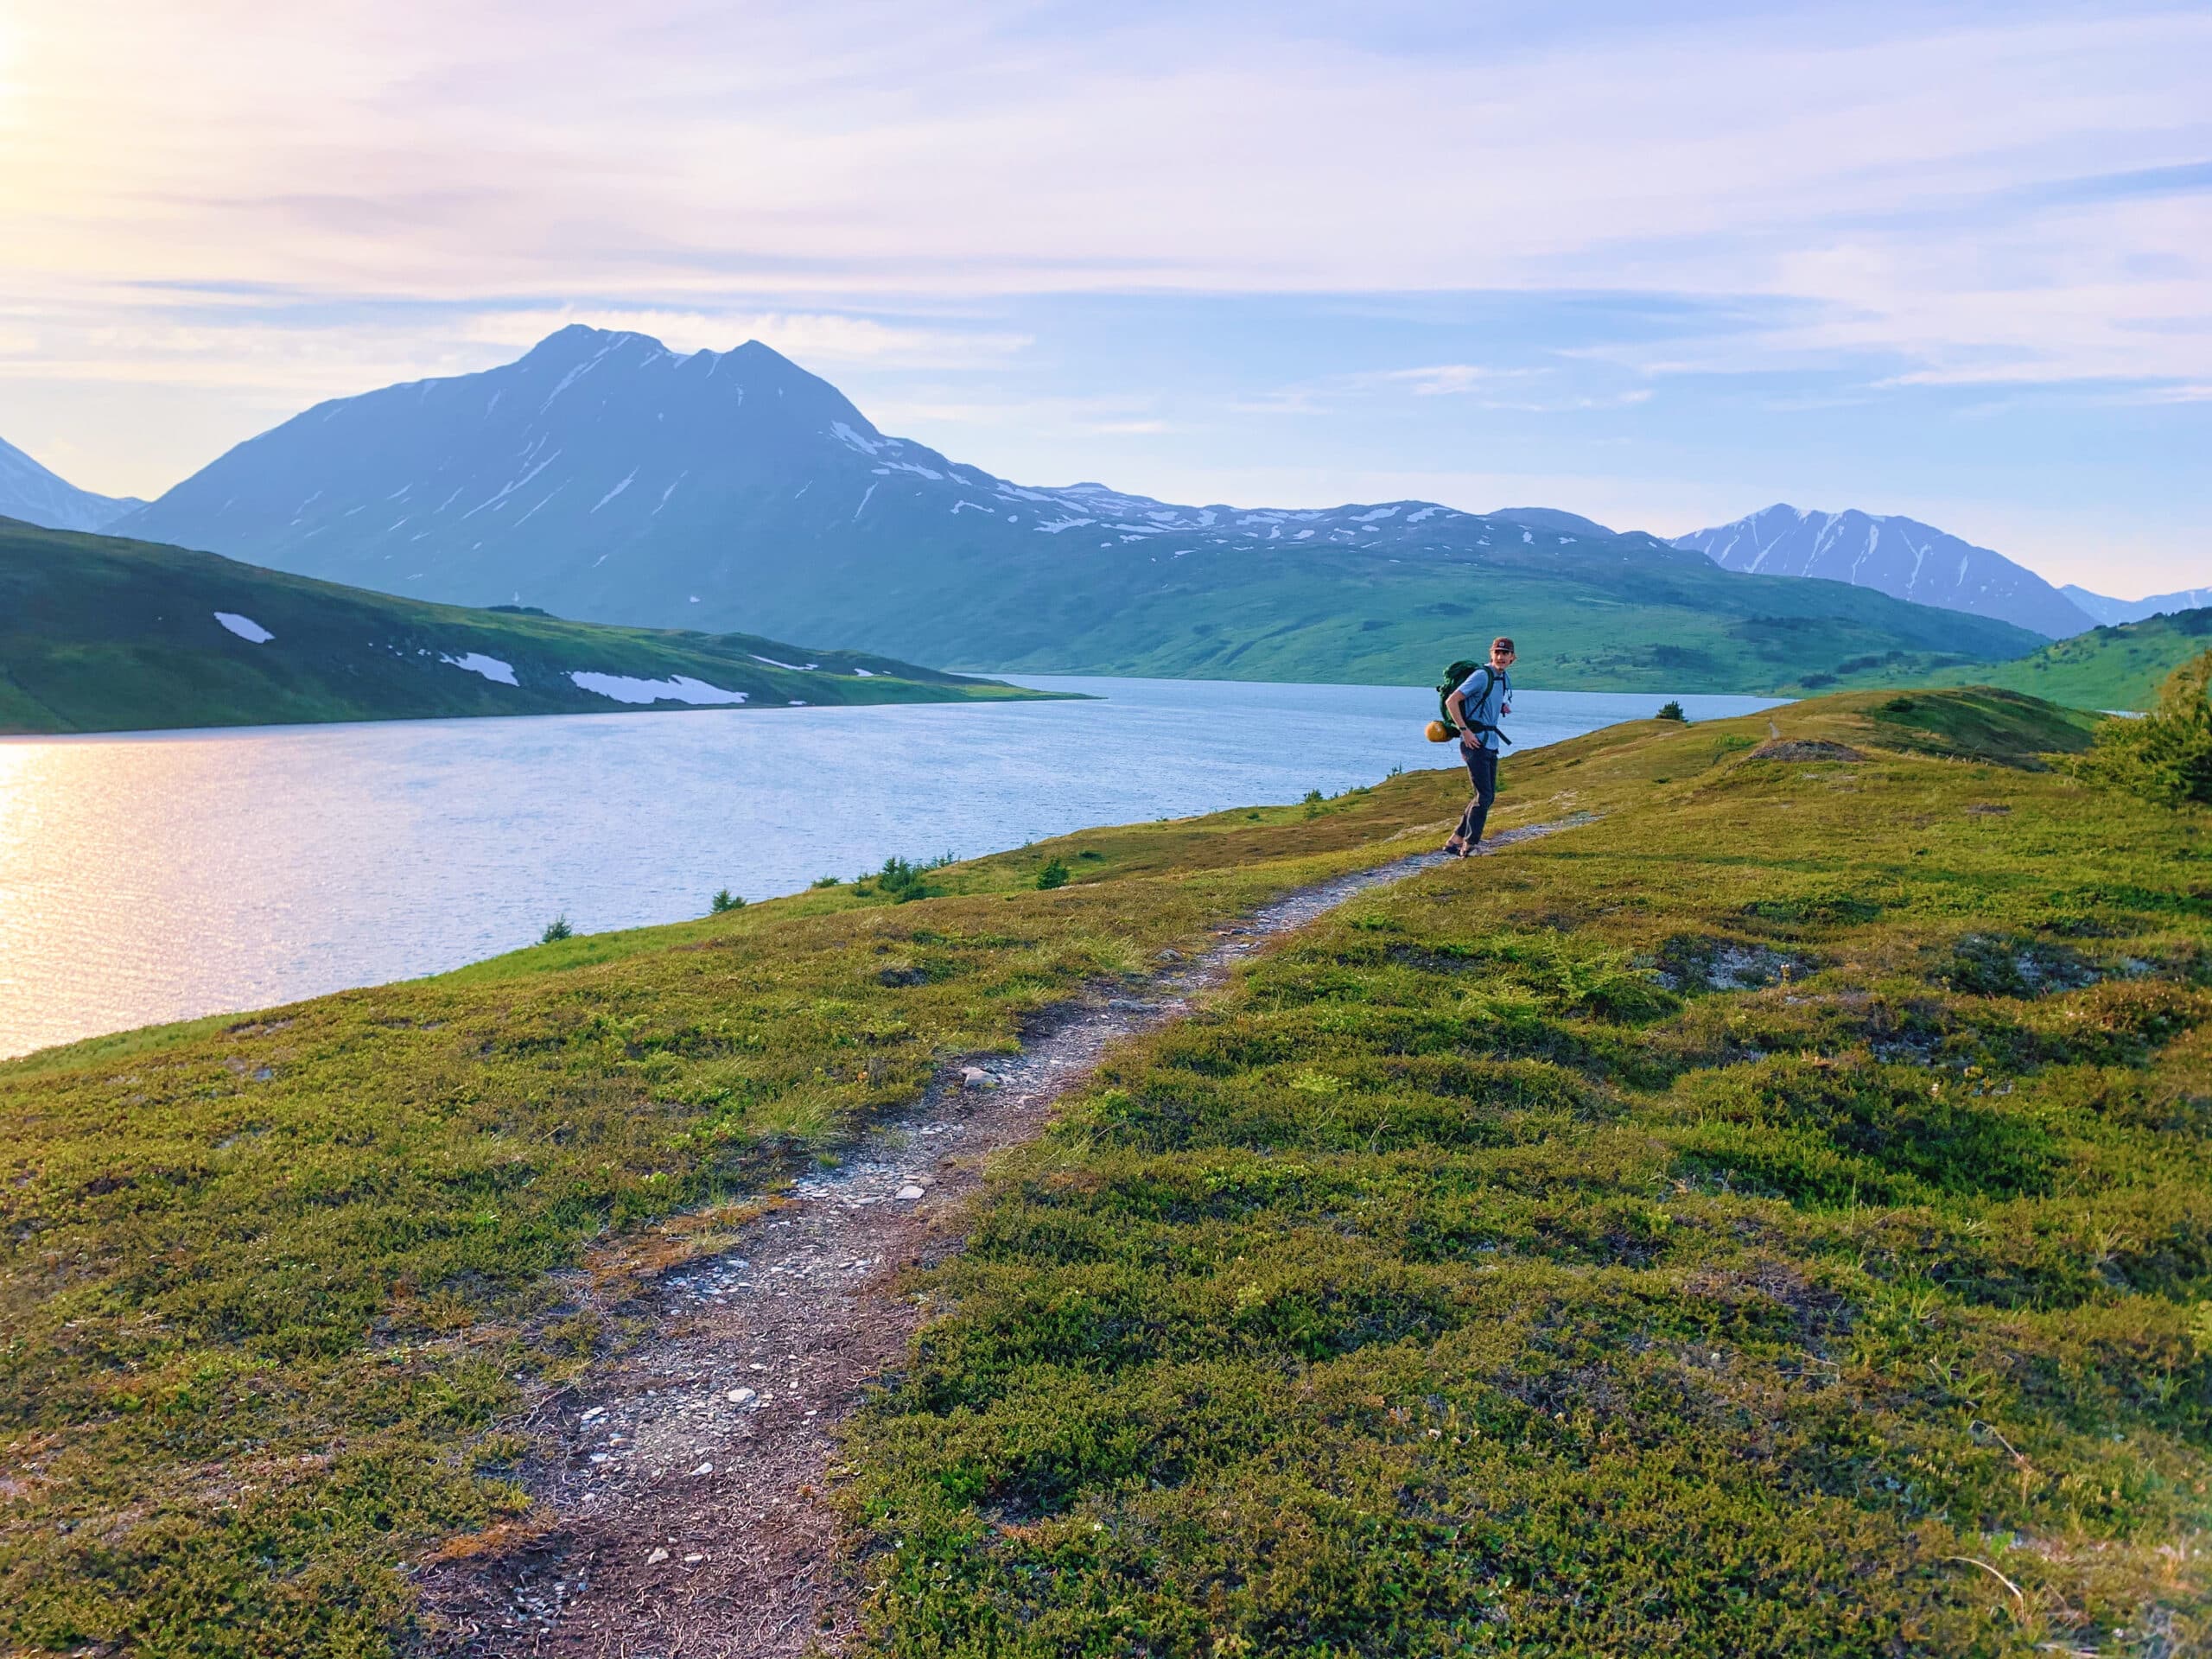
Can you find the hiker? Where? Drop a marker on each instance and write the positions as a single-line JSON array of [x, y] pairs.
[[1474, 709]]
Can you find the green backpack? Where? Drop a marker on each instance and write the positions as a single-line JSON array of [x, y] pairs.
[[1454, 677]]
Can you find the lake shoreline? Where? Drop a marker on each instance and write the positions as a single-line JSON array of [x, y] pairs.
[[151, 878]]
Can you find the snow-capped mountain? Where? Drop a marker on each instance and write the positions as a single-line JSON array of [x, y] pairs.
[[32, 493], [1899, 557], [2111, 612], [606, 478]]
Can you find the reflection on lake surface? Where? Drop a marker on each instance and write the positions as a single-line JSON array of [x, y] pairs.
[[157, 877]]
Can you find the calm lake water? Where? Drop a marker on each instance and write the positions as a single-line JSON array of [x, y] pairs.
[[163, 876]]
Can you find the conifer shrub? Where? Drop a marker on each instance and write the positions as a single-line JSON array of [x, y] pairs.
[[1672, 710], [2166, 756], [1054, 874], [725, 900], [555, 930], [904, 882]]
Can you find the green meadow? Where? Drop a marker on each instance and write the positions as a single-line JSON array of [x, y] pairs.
[[1775, 1216]]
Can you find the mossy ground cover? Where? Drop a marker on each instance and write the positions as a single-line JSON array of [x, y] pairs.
[[269, 1286], [1776, 1219]]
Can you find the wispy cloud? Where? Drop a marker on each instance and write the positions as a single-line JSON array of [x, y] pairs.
[[1439, 379]]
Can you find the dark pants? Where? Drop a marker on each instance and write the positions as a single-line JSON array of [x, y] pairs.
[[1482, 767]]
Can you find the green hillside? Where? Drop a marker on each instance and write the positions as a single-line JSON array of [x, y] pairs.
[[1773, 1217], [2118, 667], [101, 634], [2105, 668], [1589, 616]]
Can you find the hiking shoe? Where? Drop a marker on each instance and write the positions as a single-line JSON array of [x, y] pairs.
[[1455, 848]]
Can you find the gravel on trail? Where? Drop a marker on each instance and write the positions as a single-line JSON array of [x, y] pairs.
[[680, 1484]]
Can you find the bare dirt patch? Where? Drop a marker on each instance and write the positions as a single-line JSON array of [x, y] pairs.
[[680, 1484], [1803, 749]]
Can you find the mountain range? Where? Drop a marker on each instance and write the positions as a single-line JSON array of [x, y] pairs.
[[604, 477], [2111, 612], [31, 494], [1897, 555]]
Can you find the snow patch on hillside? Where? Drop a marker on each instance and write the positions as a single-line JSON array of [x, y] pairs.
[[244, 626], [681, 687], [477, 663]]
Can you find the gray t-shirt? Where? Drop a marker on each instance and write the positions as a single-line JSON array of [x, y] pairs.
[[1496, 689]]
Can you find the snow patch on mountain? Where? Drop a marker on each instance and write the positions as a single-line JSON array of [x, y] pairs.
[[628, 478]]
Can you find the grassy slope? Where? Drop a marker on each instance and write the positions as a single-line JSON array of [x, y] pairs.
[[2105, 668], [1589, 618], [267, 1283], [101, 634], [1451, 1164], [1454, 1286]]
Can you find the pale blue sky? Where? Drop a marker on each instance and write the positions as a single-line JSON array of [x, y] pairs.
[[1659, 265]]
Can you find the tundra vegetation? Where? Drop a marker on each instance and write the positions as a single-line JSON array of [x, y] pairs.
[[1772, 1218]]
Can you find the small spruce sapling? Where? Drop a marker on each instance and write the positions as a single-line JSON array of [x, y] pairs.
[[1054, 874], [1672, 710], [724, 900], [556, 930]]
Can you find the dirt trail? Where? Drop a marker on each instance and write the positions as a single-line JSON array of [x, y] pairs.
[[684, 1476]]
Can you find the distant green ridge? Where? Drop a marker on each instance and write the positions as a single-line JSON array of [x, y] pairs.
[[100, 634], [2107, 668]]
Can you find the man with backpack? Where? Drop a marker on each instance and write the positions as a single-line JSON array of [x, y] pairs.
[[1473, 710]]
